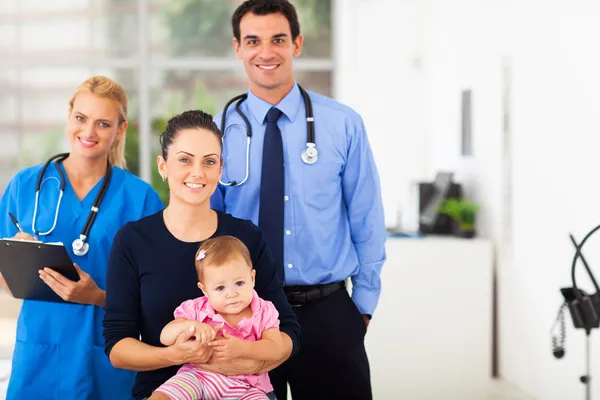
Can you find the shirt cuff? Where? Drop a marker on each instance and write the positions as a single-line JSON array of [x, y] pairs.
[[365, 300]]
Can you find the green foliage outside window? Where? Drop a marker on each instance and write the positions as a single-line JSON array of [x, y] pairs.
[[201, 28]]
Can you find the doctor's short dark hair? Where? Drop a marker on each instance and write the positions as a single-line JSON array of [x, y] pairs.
[[266, 7], [192, 119]]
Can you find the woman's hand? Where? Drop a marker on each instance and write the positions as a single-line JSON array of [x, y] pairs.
[[188, 348], [247, 366], [236, 366], [84, 291]]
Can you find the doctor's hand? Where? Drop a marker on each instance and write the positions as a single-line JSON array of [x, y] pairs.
[[367, 319], [189, 348], [84, 291]]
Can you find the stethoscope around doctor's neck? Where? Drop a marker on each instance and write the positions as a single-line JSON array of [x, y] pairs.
[[80, 245], [309, 154]]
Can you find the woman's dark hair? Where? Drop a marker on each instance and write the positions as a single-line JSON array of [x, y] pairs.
[[192, 119], [266, 7]]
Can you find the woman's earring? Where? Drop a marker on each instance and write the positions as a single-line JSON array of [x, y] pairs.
[[164, 178]]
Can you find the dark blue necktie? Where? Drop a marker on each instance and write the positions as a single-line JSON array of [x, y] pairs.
[[270, 215]]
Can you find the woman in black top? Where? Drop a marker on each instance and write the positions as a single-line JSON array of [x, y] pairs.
[[151, 266]]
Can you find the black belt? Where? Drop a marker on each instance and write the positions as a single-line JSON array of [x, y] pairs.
[[302, 295]]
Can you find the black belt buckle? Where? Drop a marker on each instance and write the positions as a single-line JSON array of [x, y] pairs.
[[297, 299], [299, 296]]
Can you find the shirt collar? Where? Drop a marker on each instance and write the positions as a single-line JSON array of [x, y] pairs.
[[245, 325], [289, 105]]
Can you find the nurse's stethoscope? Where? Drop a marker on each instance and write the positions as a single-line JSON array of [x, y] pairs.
[[309, 154], [80, 245]]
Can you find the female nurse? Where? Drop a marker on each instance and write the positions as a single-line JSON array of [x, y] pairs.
[[59, 347]]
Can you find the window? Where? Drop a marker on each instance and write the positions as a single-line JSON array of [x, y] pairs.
[[182, 49], [170, 55]]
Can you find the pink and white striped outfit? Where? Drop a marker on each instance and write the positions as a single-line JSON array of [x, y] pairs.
[[192, 383], [195, 384]]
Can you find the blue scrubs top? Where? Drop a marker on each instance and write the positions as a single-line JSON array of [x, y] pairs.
[[59, 352]]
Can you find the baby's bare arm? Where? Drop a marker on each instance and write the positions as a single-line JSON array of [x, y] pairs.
[[268, 348], [173, 329]]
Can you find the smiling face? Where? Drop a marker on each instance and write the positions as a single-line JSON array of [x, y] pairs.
[[267, 50], [193, 166], [229, 287], [93, 125]]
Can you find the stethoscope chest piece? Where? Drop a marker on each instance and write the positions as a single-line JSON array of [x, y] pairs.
[[310, 154], [80, 247]]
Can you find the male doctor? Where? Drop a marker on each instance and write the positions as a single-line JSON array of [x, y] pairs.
[[323, 222]]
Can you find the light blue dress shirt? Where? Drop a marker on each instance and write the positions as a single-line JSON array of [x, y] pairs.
[[334, 224]]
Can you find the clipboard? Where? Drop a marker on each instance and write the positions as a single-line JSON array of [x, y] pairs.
[[20, 261]]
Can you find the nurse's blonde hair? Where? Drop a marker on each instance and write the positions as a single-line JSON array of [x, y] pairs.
[[106, 87]]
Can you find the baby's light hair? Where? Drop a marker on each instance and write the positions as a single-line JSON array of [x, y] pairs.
[[216, 252]]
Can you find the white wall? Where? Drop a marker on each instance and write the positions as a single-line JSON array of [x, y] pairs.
[[555, 119], [378, 75], [403, 64]]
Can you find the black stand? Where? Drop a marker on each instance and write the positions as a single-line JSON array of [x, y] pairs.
[[584, 308], [585, 379]]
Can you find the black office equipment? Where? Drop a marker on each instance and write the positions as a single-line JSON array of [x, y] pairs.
[[584, 309], [431, 196], [20, 261]]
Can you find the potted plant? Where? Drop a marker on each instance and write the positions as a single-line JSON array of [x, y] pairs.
[[463, 214]]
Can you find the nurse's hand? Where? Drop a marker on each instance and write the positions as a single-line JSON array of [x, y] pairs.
[[84, 291], [25, 236], [188, 348], [4, 285]]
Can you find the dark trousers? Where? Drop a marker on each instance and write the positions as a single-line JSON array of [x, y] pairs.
[[332, 362]]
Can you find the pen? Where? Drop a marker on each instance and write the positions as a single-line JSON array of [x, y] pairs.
[[14, 220]]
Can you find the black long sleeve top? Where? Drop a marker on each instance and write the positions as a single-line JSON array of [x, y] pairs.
[[150, 273]]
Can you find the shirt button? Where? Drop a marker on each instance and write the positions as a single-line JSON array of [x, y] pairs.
[[290, 266], [288, 232], [286, 198]]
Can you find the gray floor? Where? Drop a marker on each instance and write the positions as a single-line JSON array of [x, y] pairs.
[[4, 372], [504, 391], [500, 391], [9, 310]]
